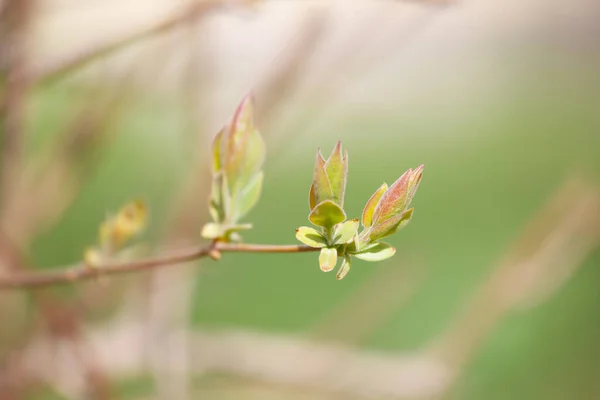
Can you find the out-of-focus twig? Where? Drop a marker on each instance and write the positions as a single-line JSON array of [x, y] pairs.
[[191, 11], [552, 246], [14, 18], [292, 65]]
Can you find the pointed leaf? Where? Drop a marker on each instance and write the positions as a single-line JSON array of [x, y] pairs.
[[415, 180], [237, 227], [345, 232], [398, 196], [390, 226], [327, 214], [321, 187], [337, 173], [367, 215], [393, 200], [344, 268], [250, 195], [311, 237], [216, 206], [327, 259], [378, 252], [243, 118], [312, 201], [245, 160]]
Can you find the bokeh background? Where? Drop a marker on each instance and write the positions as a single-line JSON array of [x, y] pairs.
[[494, 292]]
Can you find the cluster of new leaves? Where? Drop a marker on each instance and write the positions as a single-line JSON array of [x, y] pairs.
[[116, 231], [238, 156], [238, 153], [385, 212]]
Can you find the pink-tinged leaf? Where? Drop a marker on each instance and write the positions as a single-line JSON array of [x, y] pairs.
[[321, 186], [390, 226], [344, 269], [327, 214], [311, 237], [345, 232], [415, 180], [337, 173], [367, 215], [327, 259], [243, 121], [393, 200], [378, 252]]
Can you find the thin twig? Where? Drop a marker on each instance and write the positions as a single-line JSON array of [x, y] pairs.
[[82, 272], [192, 11]]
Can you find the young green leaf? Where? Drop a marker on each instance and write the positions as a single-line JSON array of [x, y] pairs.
[[378, 252], [250, 195], [327, 214], [327, 259], [310, 237], [344, 268], [367, 215], [217, 151], [345, 231], [321, 187], [212, 230], [390, 226], [337, 173]]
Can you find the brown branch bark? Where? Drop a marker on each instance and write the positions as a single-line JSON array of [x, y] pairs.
[[82, 272]]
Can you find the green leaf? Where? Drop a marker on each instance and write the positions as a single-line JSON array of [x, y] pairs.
[[217, 151], [219, 204], [377, 252], [212, 230], [321, 187], [390, 226], [367, 215], [327, 214], [310, 237], [312, 200], [344, 269], [337, 173], [327, 259], [245, 160], [345, 232], [250, 195]]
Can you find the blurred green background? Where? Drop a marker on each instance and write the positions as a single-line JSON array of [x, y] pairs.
[[492, 159]]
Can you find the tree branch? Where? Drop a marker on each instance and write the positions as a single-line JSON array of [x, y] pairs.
[[82, 272]]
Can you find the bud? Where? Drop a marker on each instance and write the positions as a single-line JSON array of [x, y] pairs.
[[386, 211], [118, 230], [329, 181], [238, 153]]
